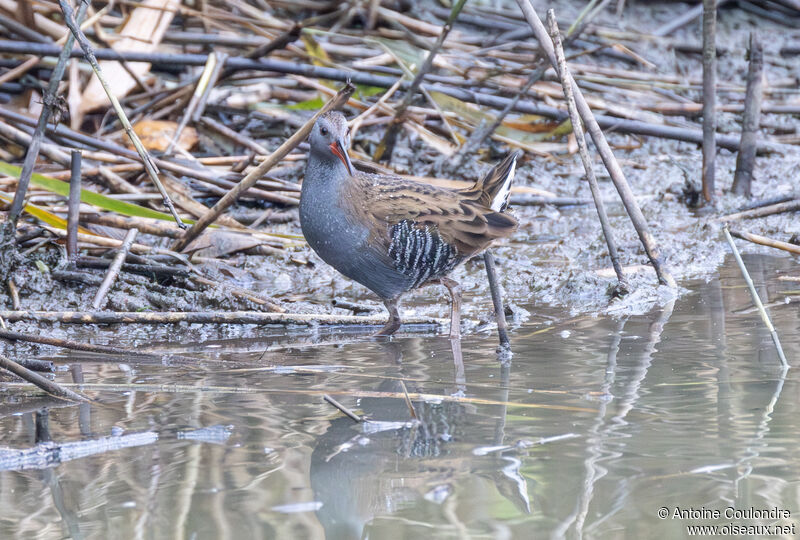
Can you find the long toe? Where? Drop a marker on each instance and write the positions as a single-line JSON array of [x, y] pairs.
[[391, 326]]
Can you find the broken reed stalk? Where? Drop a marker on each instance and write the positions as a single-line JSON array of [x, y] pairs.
[[756, 298], [205, 317], [384, 150], [779, 208], [49, 103], [88, 54], [45, 384], [212, 82], [102, 241], [497, 300], [766, 241], [253, 176], [20, 70], [345, 410], [34, 364], [577, 129], [199, 90], [709, 97], [87, 347], [113, 270], [13, 291], [73, 205], [746, 160], [76, 277], [353, 306], [279, 42], [600, 142]]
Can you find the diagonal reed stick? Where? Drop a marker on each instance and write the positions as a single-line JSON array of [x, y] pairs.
[[756, 299]]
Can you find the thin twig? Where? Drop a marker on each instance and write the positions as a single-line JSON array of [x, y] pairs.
[[89, 55], [482, 132], [342, 408], [145, 225], [156, 270], [225, 131], [756, 298], [113, 270], [355, 123]]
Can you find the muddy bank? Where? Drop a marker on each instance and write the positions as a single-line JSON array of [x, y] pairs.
[[558, 257]]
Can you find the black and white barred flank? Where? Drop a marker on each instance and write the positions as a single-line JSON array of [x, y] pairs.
[[420, 253]]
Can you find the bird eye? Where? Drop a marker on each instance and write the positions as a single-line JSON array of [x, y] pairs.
[[323, 130]]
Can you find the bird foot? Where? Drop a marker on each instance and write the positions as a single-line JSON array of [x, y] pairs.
[[393, 324], [454, 289]]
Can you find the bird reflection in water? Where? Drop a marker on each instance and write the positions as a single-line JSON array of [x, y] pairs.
[[392, 462]]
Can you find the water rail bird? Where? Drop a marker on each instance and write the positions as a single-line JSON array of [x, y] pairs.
[[391, 234]]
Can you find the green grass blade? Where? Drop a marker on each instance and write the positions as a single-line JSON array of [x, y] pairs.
[[88, 197], [40, 213]]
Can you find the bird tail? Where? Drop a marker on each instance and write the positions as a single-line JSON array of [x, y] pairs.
[[493, 189]]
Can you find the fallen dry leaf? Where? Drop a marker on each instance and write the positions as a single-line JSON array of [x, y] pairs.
[[157, 134]]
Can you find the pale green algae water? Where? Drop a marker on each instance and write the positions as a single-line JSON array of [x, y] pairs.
[[595, 426]]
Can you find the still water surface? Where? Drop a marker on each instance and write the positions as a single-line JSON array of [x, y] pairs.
[[595, 425]]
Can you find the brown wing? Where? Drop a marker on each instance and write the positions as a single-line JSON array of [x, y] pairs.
[[456, 219]]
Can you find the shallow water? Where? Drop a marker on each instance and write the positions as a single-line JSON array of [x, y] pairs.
[[595, 425]]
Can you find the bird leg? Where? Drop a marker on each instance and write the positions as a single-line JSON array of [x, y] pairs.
[[393, 324], [454, 289]]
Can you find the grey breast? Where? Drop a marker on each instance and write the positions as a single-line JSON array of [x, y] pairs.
[[341, 241]]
